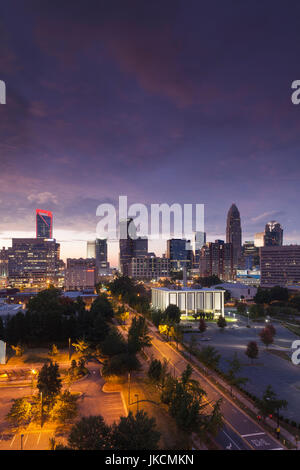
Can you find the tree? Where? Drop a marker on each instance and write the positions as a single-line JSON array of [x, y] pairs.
[[221, 323], [176, 333], [202, 325], [241, 308], [252, 350], [269, 404], [65, 407], [138, 337], [271, 328], [20, 412], [135, 432], [19, 350], [82, 347], [120, 364], [90, 433], [155, 370], [266, 336], [279, 293], [113, 344], [262, 296], [102, 306], [53, 351], [172, 314], [209, 356], [234, 368], [49, 382]]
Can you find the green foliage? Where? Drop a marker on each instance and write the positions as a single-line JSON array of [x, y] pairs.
[[252, 350], [172, 314], [90, 433], [270, 404], [131, 293], [82, 347], [65, 407], [102, 306], [209, 356], [155, 370], [135, 433], [20, 412], [234, 369], [53, 351], [113, 344], [51, 318], [49, 382], [156, 317], [19, 350], [221, 322], [138, 337], [120, 364]]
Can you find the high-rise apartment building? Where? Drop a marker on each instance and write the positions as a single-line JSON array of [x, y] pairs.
[[131, 246], [273, 234], [234, 233], [149, 267], [280, 265], [44, 224], [217, 259], [180, 253], [81, 274]]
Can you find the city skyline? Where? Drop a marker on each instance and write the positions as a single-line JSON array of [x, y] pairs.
[[189, 121]]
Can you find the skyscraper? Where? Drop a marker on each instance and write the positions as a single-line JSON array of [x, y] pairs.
[[217, 259], [234, 233], [44, 224], [131, 246], [273, 234], [180, 253]]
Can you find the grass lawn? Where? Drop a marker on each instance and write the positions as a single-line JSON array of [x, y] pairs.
[[191, 318]]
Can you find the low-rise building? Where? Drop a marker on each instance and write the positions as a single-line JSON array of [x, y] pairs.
[[190, 300]]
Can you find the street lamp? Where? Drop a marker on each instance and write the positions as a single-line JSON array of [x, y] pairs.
[[33, 373], [128, 389], [22, 435], [137, 402]]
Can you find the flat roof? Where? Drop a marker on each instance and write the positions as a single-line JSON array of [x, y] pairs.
[[188, 289]]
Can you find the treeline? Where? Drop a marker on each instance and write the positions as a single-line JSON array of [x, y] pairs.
[[131, 293], [50, 317]]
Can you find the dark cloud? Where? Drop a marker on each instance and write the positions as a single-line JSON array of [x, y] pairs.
[[163, 101]]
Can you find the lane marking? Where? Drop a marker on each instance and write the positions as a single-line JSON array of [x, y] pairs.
[[231, 439], [12, 440], [253, 434]]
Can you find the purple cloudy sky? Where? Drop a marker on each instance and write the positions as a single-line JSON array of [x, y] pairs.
[[163, 101]]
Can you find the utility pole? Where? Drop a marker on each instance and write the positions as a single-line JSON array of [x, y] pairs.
[[22, 435], [69, 349], [128, 390], [41, 409]]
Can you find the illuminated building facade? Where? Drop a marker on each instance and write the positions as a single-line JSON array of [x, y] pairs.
[[280, 265], [217, 259], [149, 268], [33, 262], [189, 300], [234, 233], [273, 234], [81, 274]]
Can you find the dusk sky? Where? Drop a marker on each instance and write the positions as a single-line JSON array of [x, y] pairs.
[[162, 101]]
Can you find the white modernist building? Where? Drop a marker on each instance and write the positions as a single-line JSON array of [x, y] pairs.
[[190, 300]]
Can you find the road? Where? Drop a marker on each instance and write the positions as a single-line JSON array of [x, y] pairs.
[[240, 431]]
